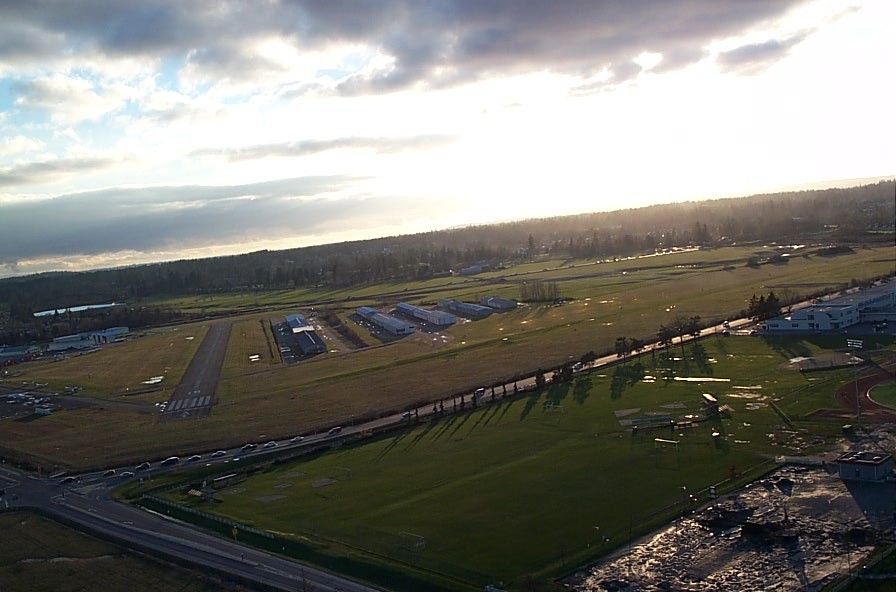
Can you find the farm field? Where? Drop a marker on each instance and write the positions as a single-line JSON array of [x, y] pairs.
[[268, 399], [534, 485], [38, 554]]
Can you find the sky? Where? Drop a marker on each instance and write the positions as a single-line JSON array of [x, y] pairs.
[[134, 131]]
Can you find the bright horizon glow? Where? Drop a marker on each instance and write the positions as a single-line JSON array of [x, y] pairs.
[[184, 143]]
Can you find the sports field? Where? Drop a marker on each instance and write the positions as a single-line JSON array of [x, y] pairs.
[[537, 484]]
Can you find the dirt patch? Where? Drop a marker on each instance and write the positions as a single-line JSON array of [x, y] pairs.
[[323, 482], [266, 499]]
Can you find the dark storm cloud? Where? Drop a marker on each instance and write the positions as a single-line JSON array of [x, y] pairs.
[[38, 172], [308, 147], [433, 43], [160, 218]]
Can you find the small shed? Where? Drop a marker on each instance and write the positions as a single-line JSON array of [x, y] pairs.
[[865, 465]]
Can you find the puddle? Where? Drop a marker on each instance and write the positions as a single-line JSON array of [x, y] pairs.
[[696, 379]]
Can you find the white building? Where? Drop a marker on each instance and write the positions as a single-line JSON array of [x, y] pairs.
[[872, 304]]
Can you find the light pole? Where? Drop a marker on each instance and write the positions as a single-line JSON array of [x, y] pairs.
[[856, 344]]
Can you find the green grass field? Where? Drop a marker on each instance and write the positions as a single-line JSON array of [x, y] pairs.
[[522, 487], [885, 394], [267, 399], [38, 554]]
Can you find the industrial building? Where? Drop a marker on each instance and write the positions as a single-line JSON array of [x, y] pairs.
[[466, 309], [439, 318], [875, 304], [88, 340], [386, 322], [865, 465], [304, 336], [498, 304]]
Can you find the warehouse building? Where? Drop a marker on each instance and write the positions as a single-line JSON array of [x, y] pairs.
[[439, 318], [466, 309], [304, 336], [386, 322], [498, 304], [88, 340]]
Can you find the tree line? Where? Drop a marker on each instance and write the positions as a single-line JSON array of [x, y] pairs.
[[831, 215]]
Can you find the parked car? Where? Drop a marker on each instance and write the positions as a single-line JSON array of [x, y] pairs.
[[297, 438], [126, 474]]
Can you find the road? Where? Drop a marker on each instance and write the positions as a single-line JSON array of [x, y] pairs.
[[89, 505]]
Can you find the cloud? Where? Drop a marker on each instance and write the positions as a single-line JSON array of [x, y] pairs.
[[308, 147], [19, 145], [49, 170], [755, 57], [399, 43], [175, 218]]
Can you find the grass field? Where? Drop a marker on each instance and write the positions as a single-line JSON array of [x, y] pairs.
[[37, 554], [885, 394], [267, 399], [521, 487]]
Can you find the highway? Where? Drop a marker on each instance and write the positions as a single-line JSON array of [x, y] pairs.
[[89, 505]]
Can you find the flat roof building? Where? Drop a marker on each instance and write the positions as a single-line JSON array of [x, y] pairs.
[[865, 465], [466, 309], [440, 318], [386, 322], [499, 304], [875, 303]]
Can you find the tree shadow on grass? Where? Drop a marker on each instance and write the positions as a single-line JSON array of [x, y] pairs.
[[531, 401], [445, 426], [557, 393], [624, 377], [702, 359], [581, 389], [395, 442], [460, 424]]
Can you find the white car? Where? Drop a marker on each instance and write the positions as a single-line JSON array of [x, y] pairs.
[[270, 444], [218, 453]]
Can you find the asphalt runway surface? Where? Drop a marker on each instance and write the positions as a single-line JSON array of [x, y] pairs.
[[195, 395]]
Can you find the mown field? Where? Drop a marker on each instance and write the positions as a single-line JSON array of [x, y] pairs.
[[521, 487], [267, 399], [37, 554]]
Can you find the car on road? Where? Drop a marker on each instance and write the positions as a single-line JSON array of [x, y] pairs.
[[126, 474], [194, 458], [218, 453], [297, 438], [248, 447], [68, 480], [334, 431], [109, 473], [170, 461], [270, 444], [142, 466]]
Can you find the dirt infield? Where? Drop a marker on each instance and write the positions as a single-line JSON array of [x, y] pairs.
[[870, 411]]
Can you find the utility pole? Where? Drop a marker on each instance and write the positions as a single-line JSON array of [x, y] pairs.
[[856, 344]]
